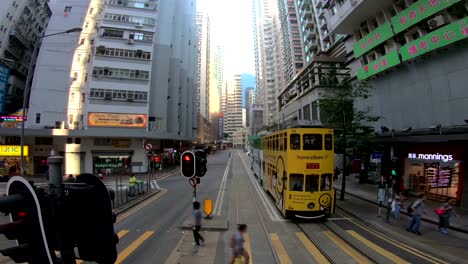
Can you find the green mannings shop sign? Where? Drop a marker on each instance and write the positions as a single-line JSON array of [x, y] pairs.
[[374, 38], [419, 11], [379, 65], [436, 39]]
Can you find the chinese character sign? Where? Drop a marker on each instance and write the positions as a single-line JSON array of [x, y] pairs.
[[436, 39], [379, 65], [418, 11], [4, 77], [374, 38]]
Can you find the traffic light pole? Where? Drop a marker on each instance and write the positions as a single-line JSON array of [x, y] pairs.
[[57, 192]]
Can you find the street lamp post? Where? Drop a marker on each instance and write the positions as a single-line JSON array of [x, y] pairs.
[[28, 87]]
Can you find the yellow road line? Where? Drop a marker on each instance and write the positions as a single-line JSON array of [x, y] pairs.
[[247, 246], [168, 175], [313, 250], [122, 233], [378, 249], [143, 204], [280, 250], [129, 250], [400, 245], [346, 248]]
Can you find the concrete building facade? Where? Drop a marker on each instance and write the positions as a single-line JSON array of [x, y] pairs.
[[22, 25], [128, 79], [413, 54]]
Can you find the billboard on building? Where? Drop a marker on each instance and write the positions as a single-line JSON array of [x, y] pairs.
[[4, 76], [220, 125], [117, 120]]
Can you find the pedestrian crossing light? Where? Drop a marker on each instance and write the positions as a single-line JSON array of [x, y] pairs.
[[26, 226], [187, 164]]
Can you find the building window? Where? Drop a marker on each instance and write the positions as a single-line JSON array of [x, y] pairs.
[[116, 73], [43, 141], [112, 33], [70, 119], [118, 95], [38, 118]]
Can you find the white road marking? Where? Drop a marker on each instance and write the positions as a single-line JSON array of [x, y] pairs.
[[222, 190], [270, 208]]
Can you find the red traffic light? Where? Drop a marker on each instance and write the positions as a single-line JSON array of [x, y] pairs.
[[187, 158], [156, 159], [22, 214], [187, 164]]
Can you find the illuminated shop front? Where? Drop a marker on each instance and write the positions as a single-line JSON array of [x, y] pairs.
[[10, 159], [437, 172]]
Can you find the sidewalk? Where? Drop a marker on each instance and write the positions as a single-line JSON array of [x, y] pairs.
[[368, 192]]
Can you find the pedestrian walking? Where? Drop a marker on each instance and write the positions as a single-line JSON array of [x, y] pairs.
[[417, 209], [237, 244], [197, 215], [444, 214], [396, 205], [132, 182]]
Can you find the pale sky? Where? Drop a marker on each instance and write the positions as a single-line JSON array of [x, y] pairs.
[[231, 24]]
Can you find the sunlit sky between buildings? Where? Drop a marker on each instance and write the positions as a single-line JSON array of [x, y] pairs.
[[231, 27]]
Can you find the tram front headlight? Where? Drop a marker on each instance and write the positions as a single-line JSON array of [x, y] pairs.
[[311, 206]]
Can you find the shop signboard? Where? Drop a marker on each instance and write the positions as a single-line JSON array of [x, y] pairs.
[[419, 11], [108, 165], [374, 38], [117, 120], [4, 76], [381, 64], [437, 156], [436, 39], [13, 150]]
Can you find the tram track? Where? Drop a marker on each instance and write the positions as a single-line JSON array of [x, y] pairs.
[[253, 197], [348, 246]]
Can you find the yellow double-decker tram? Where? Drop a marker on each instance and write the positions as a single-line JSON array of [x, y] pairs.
[[298, 171]]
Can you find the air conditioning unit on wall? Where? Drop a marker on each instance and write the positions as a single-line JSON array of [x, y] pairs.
[[437, 22], [130, 41]]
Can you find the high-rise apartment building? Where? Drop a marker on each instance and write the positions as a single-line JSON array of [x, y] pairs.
[[413, 55], [218, 72], [249, 96], [233, 105], [203, 94], [130, 74], [291, 45], [22, 24]]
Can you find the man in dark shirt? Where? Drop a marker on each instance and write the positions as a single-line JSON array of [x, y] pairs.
[[197, 215]]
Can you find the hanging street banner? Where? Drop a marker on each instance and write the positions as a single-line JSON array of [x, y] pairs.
[[419, 11], [379, 65], [436, 39], [374, 38], [4, 77], [117, 120]]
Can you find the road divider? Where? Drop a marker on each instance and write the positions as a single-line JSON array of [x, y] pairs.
[[222, 190]]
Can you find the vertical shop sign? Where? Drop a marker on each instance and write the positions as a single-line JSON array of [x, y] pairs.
[[379, 65], [4, 76], [374, 38], [436, 39], [419, 11]]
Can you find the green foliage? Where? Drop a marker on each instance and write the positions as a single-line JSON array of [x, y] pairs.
[[352, 126]]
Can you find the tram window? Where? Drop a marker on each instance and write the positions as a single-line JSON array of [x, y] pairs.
[[263, 166], [312, 183], [295, 141], [276, 144], [296, 182], [312, 142], [328, 142], [280, 144], [325, 183]]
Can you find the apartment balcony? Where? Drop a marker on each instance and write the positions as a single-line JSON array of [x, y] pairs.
[[19, 34], [309, 23], [351, 13]]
